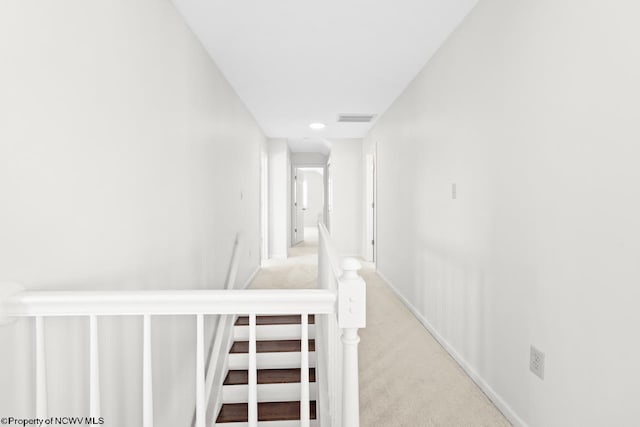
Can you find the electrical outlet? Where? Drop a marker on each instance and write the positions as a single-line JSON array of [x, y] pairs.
[[536, 362]]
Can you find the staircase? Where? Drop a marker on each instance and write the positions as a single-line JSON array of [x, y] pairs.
[[278, 360], [261, 370]]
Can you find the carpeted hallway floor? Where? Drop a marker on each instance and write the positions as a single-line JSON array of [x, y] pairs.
[[406, 379]]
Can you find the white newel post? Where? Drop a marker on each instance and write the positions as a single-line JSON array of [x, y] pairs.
[[351, 317]]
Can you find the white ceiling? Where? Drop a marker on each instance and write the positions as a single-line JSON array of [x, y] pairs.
[[294, 62]]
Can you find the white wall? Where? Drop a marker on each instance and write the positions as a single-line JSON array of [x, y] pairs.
[[315, 197], [346, 214], [532, 109], [279, 198], [123, 156], [308, 159]]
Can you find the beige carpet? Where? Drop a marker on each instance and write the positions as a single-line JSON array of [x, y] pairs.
[[299, 271], [406, 377]]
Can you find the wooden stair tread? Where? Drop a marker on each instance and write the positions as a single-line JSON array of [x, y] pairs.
[[268, 376], [272, 346], [275, 320], [267, 411]]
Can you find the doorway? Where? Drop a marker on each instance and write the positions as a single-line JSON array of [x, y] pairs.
[[307, 204], [370, 205]]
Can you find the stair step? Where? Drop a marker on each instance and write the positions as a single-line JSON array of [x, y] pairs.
[[283, 392], [286, 360], [275, 320], [272, 332], [273, 346], [268, 376], [267, 411]]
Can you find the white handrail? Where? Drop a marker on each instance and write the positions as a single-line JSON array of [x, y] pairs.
[[338, 355], [121, 303], [326, 245], [230, 281]]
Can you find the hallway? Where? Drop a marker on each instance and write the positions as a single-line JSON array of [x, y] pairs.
[[481, 152], [407, 378], [299, 270]]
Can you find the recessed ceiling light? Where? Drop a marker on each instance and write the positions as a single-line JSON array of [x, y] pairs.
[[317, 126]]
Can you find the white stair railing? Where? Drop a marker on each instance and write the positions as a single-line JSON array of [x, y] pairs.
[[147, 304], [338, 306], [338, 355]]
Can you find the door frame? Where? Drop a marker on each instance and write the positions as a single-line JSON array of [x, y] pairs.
[[371, 245], [294, 207]]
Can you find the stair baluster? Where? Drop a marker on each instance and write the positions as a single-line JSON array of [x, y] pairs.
[[147, 373], [253, 373], [94, 368], [304, 371], [200, 376], [41, 370]]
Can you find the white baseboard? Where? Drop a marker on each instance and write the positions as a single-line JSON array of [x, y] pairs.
[[250, 279], [497, 400]]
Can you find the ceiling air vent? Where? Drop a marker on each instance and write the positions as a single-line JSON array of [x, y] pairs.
[[355, 118]]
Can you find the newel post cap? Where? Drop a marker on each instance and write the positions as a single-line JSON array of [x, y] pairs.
[[7, 289], [350, 267]]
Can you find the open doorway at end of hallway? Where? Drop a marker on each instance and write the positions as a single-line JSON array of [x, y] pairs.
[[307, 204]]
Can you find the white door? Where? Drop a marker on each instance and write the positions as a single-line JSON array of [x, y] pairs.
[[371, 208], [264, 207], [299, 208]]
